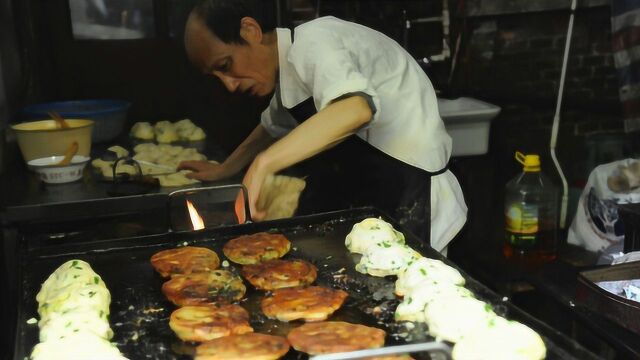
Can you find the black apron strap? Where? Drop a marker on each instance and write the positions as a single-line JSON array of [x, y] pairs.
[[303, 110], [439, 172]]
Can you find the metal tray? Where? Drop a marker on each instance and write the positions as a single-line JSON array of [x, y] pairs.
[[140, 313], [617, 308]]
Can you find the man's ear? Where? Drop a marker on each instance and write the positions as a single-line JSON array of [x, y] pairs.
[[250, 30]]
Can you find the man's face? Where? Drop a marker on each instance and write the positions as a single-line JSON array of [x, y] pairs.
[[247, 68]]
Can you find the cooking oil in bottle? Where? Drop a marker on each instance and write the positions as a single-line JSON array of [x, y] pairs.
[[531, 215]]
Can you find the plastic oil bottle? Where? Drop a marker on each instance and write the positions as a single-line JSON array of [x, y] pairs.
[[531, 215]]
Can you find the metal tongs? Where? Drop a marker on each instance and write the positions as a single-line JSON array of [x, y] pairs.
[[124, 184], [430, 347]]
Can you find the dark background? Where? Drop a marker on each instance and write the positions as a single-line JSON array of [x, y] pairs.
[[509, 53]]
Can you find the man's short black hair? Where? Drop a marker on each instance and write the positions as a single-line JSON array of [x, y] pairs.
[[222, 17]]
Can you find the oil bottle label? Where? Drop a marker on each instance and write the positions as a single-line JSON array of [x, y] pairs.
[[521, 224]]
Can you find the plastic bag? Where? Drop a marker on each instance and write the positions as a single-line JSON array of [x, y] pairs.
[[597, 225]]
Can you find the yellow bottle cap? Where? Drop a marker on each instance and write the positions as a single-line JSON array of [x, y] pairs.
[[531, 162]]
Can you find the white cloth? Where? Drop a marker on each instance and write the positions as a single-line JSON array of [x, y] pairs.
[[330, 58]]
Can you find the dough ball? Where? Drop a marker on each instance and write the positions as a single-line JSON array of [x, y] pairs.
[[417, 299], [188, 131], [426, 270], [371, 232], [143, 131], [455, 317], [184, 124], [164, 124], [197, 135], [166, 135]]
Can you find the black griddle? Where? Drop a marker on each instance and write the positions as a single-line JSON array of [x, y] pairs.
[[140, 313]]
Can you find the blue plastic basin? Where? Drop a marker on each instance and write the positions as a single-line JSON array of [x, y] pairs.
[[109, 115]]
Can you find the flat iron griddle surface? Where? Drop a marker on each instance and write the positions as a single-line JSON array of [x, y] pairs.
[[140, 312]]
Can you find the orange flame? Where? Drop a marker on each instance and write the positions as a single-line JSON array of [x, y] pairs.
[[196, 219], [239, 208]]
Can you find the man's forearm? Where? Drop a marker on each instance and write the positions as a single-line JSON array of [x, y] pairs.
[[320, 132], [257, 141]]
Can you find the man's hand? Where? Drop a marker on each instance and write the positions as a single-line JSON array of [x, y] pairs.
[[204, 170], [253, 181]]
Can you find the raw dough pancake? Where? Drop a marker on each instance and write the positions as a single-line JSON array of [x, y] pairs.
[[219, 286], [334, 336], [256, 248], [314, 303], [208, 322], [184, 261], [252, 346], [279, 196], [278, 274]]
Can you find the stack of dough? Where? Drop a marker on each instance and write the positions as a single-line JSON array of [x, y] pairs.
[[433, 293], [73, 305], [166, 157], [166, 132], [143, 131]]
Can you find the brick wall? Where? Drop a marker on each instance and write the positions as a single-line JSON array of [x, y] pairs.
[[387, 16], [514, 60], [517, 58]]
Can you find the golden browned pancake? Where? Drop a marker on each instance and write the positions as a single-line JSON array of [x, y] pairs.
[[334, 336], [314, 303], [277, 274], [256, 248], [251, 346], [208, 322], [185, 260], [218, 286]]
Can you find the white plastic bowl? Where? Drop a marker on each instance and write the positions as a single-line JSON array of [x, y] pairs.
[[52, 174], [468, 123]]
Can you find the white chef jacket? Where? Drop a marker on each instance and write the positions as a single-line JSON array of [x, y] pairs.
[[329, 58]]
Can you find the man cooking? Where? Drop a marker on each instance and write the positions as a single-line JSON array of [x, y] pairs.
[[343, 94]]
